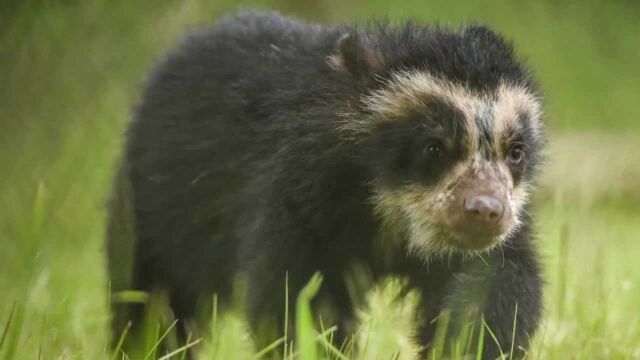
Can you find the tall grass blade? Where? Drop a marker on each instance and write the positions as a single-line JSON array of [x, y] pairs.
[[184, 353], [13, 332], [180, 350], [495, 339], [305, 333], [286, 313], [267, 349], [152, 352], [480, 348], [118, 347], [513, 331], [7, 325], [329, 347], [441, 334]]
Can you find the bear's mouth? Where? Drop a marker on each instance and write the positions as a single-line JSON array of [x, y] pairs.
[[473, 242], [440, 240], [475, 238]]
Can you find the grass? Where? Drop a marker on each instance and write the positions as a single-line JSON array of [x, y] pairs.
[[70, 72]]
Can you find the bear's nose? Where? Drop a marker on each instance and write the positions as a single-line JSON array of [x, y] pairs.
[[484, 209]]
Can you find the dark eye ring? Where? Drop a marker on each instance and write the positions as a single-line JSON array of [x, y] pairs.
[[516, 154]]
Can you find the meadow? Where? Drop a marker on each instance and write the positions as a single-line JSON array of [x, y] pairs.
[[70, 73]]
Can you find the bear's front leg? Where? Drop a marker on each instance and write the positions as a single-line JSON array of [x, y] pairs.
[[514, 303], [501, 291]]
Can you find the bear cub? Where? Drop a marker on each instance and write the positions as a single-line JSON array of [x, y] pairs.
[[271, 148]]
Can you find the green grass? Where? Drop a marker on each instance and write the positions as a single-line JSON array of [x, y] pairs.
[[70, 72]]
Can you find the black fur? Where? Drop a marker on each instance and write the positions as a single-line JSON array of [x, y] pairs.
[[236, 166]]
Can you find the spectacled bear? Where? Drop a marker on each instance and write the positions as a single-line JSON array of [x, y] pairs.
[[271, 148]]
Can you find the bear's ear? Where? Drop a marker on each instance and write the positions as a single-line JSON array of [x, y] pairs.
[[357, 56]]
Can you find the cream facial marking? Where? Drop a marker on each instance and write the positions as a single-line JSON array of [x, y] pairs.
[[512, 102], [408, 92], [417, 211]]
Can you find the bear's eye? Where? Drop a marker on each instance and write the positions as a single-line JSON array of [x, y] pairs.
[[516, 154], [434, 148]]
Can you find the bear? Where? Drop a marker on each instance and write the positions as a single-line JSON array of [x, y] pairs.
[[270, 148]]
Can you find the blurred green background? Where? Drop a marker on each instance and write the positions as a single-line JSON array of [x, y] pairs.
[[70, 73]]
